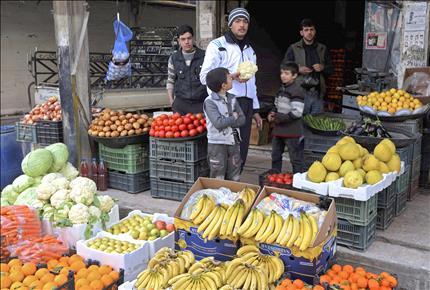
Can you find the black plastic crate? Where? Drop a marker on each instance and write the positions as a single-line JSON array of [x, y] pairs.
[[131, 183], [188, 151], [319, 143], [178, 170], [263, 181], [401, 200], [387, 196], [310, 156], [25, 132], [417, 147], [386, 216], [49, 132], [413, 188], [403, 181], [168, 189], [355, 237], [415, 168], [405, 154]]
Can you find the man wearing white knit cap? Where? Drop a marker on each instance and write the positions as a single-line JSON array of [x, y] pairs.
[[229, 51]]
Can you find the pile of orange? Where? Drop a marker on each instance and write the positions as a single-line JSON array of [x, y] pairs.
[[288, 284], [350, 278], [17, 275]]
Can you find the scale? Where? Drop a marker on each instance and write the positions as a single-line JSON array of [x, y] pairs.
[[370, 80]]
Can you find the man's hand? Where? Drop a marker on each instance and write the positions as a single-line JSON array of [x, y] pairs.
[[236, 77], [304, 70], [318, 67], [271, 117], [258, 120], [236, 115]]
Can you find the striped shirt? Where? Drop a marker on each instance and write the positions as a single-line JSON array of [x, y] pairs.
[[171, 73]]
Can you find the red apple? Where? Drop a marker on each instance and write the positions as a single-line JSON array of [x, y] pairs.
[[170, 227], [160, 225]]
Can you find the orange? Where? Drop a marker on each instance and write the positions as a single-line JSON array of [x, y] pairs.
[[77, 265], [362, 282], [93, 275], [81, 282], [107, 280], [286, 282], [41, 272], [343, 274], [5, 281], [65, 271], [4, 267], [337, 268], [348, 268], [298, 283], [325, 278], [36, 284], [331, 273], [64, 259], [75, 258], [373, 284], [29, 269], [114, 275], [85, 287], [93, 268], [52, 264], [60, 279], [48, 277], [360, 269], [49, 286], [318, 287], [29, 279], [16, 285], [14, 262], [105, 269], [16, 276], [15, 268], [96, 285], [392, 280], [82, 273]]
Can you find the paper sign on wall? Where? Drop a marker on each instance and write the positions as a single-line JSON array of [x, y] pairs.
[[376, 40]]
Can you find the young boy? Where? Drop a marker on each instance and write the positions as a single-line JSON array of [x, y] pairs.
[[223, 118], [287, 118]]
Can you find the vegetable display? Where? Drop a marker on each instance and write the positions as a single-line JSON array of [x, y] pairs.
[[48, 111], [324, 123], [368, 127], [177, 126]]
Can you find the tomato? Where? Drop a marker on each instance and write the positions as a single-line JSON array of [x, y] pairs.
[[179, 121], [166, 122], [171, 122], [187, 120], [200, 129], [167, 128], [151, 132], [191, 126], [193, 132], [175, 128], [159, 122], [177, 134], [156, 134], [161, 128], [203, 121], [279, 180], [161, 134], [272, 178], [182, 127], [164, 116], [199, 116], [192, 117], [184, 133], [176, 115], [188, 115], [169, 134], [196, 123]]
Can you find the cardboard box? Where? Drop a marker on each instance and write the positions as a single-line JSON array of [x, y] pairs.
[[259, 137], [418, 88], [186, 235], [314, 260]]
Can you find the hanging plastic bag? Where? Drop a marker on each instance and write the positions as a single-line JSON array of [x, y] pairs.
[[119, 66]]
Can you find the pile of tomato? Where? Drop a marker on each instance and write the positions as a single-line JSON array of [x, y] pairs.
[[177, 126], [284, 178]]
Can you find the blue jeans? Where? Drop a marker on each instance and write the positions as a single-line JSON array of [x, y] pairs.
[[313, 103]]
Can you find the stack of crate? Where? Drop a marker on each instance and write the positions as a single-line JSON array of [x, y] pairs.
[[334, 96], [386, 207], [42, 133], [128, 167], [176, 165]]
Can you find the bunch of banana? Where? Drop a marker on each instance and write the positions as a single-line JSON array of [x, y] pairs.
[[184, 259], [202, 209], [198, 281], [152, 279], [245, 276], [233, 219], [252, 224], [270, 229], [211, 226], [247, 195], [209, 264], [300, 233], [273, 266]]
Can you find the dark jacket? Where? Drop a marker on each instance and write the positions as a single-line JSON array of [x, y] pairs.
[[187, 83], [309, 55], [289, 104]]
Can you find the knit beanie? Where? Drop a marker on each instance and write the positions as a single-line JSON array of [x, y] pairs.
[[237, 12]]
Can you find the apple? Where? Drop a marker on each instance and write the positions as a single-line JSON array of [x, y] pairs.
[[155, 233], [160, 225], [163, 233], [170, 227], [150, 227]]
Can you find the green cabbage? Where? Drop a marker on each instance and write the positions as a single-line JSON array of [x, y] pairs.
[[21, 183], [69, 171], [37, 180], [37, 162], [8, 194], [60, 154], [4, 202], [28, 197]]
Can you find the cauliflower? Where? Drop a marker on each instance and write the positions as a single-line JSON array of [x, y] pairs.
[[69, 171], [48, 211], [81, 194], [79, 214], [106, 203], [59, 197], [48, 178], [247, 70], [84, 182], [45, 190], [60, 183], [95, 211]]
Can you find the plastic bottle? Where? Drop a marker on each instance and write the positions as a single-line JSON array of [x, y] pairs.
[[94, 170], [102, 178], [83, 168]]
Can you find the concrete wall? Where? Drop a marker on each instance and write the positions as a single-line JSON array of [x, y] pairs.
[[29, 24]]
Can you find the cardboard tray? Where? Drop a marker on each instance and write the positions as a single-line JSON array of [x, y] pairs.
[[300, 181]]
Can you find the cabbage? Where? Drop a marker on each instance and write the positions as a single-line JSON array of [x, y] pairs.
[[60, 155], [4, 202], [8, 194], [69, 171], [21, 183], [37, 180], [37, 162], [28, 197]]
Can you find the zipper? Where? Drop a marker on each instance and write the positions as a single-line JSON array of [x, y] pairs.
[[246, 87]]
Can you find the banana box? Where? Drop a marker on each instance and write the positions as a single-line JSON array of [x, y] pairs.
[[186, 235], [315, 259]]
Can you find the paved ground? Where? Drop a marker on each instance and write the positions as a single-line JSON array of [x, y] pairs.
[[404, 248]]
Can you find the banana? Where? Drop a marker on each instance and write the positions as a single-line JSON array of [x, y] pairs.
[[177, 278], [232, 274], [263, 227], [269, 229], [143, 279], [194, 267], [248, 279], [257, 223], [214, 276], [215, 231], [302, 229], [207, 221], [239, 218], [183, 283], [307, 233], [231, 222], [262, 279], [208, 282], [278, 226], [247, 249], [198, 207], [226, 220], [250, 257], [294, 233], [208, 206], [247, 223], [278, 265], [213, 222], [314, 225], [283, 230], [254, 280], [226, 287], [286, 236], [238, 283]]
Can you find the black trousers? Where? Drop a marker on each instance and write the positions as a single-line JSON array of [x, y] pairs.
[[184, 107], [245, 131], [295, 150]]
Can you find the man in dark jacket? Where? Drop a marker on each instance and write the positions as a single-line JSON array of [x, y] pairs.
[[315, 65], [186, 93]]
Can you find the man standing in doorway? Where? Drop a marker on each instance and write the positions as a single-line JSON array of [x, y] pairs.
[[313, 59], [186, 93], [229, 51]]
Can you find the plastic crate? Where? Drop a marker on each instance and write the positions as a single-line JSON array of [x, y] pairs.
[[131, 183], [188, 151], [402, 182], [387, 196], [319, 143], [417, 147], [25, 132], [310, 156], [413, 189], [131, 159], [412, 125], [401, 199], [354, 236], [385, 216], [357, 212], [415, 167], [169, 189], [179, 170], [262, 181], [406, 153], [49, 132]]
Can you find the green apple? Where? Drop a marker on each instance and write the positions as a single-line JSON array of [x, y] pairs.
[[150, 227], [163, 233], [155, 233]]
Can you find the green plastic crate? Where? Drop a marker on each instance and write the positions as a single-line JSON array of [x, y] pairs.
[[413, 189], [355, 237], [131, 159], [355, 211], [416, 166], [403, 181], [387, 196], [401, 200], [386, 216]]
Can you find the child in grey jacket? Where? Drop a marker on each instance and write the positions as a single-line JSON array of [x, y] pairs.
[[223, 118]]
